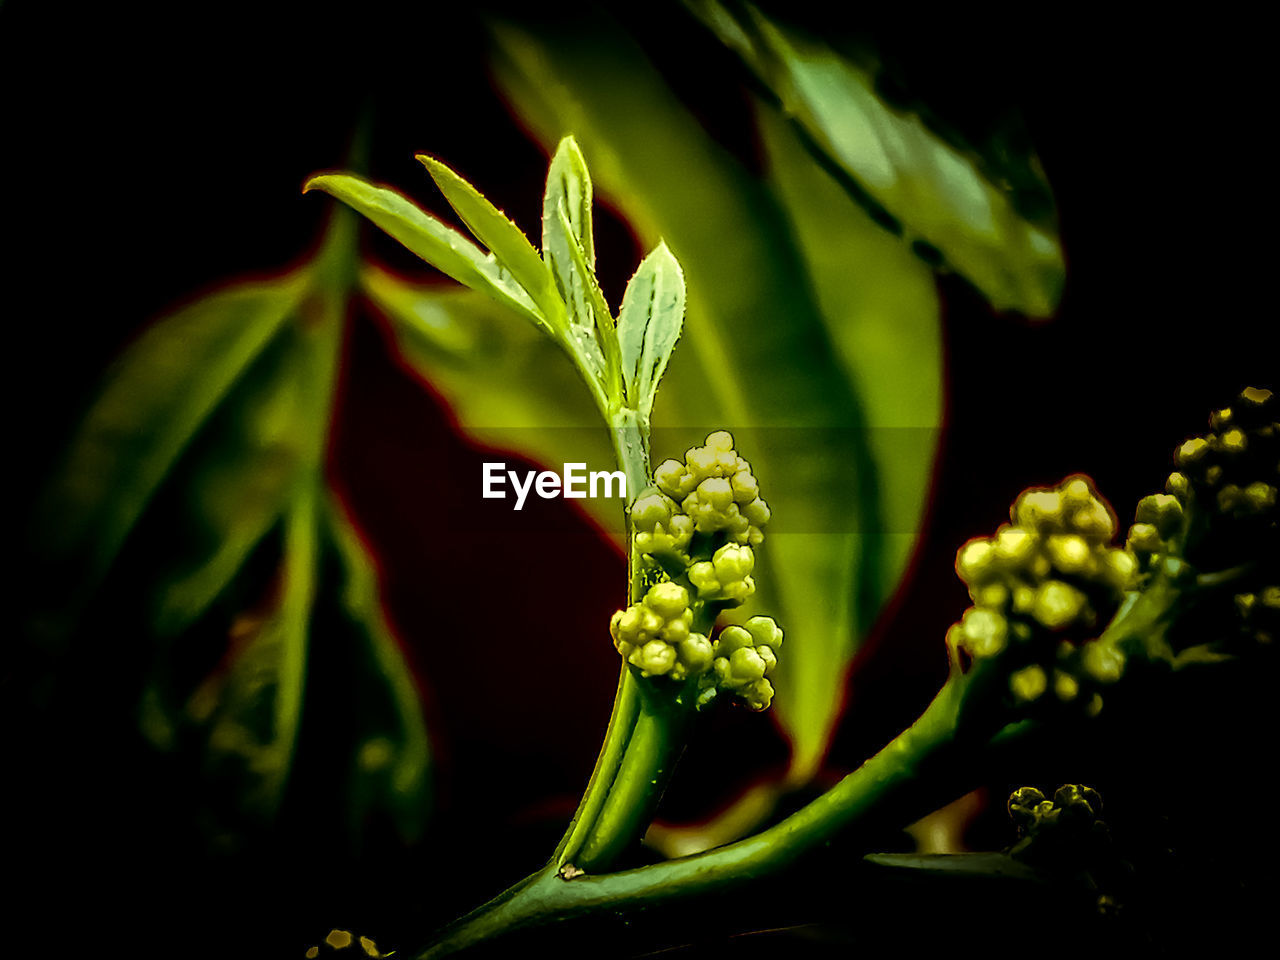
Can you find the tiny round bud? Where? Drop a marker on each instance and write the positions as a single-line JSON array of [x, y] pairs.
[[745, 487], [1057, 604], [720, 440], [985, 632], [1192, 452], [757, 512], [1028, 683], [716, 493], [732, 638], [745, 665], [667, 599], [764, 632], [1104, 661]]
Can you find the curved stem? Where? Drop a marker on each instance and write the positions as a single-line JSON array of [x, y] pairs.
[[646, 731], [656, 744], [909, 777]]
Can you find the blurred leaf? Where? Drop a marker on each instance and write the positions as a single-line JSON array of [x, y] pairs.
[[967, 866], [142, 421], [443, 247], [391, 765], [509, 386], [267, 439], [649, 325], [895, 163], [756, 355], [252, 705], [224, 410], [881, 308]]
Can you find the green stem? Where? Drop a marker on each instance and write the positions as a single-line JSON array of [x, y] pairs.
[[647, 729], [656, 743], [911, 776]]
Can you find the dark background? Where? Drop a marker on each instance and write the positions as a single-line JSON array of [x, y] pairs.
[[154, 153]]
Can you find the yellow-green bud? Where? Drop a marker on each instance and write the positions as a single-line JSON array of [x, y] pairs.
[[667, 599], [1161, 510], [764, 632], [652, 509], [1104, 661], [674, 479], [745, 487], [1192, 452], [1029, 683], [1070, 553], [1058, 605], [1038, 509], [985, 632], [1145, 538]]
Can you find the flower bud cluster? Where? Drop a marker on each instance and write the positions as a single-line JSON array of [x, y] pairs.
[[1072, 805], [715, 490], [1040, 587], [745, 657], [1230, 475], [654, 635], [697, 529], [1065, 831]]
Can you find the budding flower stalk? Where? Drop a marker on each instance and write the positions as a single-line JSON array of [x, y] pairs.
[[697, 530]]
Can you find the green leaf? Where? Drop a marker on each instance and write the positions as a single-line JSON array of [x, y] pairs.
[[392, 761], [442, 247], [881, 308], [568, 246], [756, 356], [568, 186], [649, 325], [155, 399], [895, 163], [504, 239], [509, 387], [588, 301]]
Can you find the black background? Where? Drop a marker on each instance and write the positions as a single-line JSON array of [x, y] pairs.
[[151, 153]]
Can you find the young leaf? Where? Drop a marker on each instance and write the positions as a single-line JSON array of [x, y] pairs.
[[568, 185], [504, 239], [568, 247], [442, 247], [649, 324], [938, 194], [590, 301]]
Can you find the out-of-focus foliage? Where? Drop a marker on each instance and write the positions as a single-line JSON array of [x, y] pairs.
[[206, 444], [508, 385], [938, 197]]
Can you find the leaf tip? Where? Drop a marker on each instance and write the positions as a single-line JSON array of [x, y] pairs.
[[319, 181], [434, 166]]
